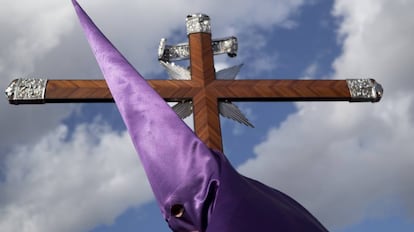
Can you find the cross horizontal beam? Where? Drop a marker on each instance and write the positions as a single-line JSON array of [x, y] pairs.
[[204, 94], [63, 91]]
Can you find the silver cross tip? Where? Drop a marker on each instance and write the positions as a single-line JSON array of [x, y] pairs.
[[197, 23], [26, 90], [365, 90]]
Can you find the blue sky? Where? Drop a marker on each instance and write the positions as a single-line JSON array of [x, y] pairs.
[[72, 167]]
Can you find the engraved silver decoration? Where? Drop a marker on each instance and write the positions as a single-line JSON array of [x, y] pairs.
[[181, 51], [197, 23], [365, 90], [26, 90], [227, 45], [169, 53]]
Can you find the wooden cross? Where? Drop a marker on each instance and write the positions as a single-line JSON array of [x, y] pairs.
[[203, 89]]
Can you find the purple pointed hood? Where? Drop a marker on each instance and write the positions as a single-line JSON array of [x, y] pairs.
[[172, 155]]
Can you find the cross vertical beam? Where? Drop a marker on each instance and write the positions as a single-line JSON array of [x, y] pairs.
[[205, 107]]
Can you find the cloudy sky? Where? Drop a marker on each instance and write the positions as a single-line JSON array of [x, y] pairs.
[[72, 168]]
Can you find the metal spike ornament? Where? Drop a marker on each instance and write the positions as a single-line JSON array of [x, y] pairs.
[[226, 108]]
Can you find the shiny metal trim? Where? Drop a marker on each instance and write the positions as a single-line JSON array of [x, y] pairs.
[[176, 72], [168, 53], [26, 90], [365, 90], [198, 23]]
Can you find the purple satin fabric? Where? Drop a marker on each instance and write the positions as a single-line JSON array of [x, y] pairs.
[[181, 169]]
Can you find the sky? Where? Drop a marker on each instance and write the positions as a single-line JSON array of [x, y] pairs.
[[72, 167]]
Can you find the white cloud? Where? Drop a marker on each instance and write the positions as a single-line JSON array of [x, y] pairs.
[[33, 29], [346, 162], [311, 70], [72, 184], [29, 31]]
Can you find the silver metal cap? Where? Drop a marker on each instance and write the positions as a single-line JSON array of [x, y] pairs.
[[197, 23], [26, 90], [365, 90]]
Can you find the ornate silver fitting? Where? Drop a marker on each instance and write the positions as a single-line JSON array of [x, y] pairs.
[[365, 90], [26, 90], [168, 53], [227, 45], [197, 23]]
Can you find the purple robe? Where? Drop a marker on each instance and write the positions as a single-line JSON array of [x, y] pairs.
[[196, 188]]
